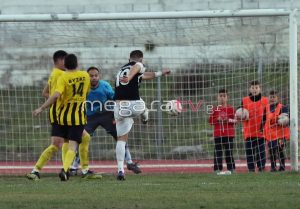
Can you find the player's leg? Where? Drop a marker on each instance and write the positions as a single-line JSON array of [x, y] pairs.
[[261, 154], [123, 113], [281, 155], [90, 127], [228, 144], [218, 155], [272, 151], [108, 123], [74, 133], [250, 154], [145, 116], [56, 142]]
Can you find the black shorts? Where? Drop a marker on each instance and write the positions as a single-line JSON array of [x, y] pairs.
[[104, 119], [73, 133]]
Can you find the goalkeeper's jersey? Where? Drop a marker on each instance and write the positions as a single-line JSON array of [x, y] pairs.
[[52, 82]]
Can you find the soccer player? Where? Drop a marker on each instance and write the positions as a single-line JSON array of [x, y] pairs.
[[98, 115], [56, 139], [222, 118], [128, 101], [276, 135], [72, 88], [256, 104]]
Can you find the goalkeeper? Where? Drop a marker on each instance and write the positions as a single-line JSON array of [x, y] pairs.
[[98, 115]]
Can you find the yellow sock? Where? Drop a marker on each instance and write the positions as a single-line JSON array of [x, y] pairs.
[[84, 151], [68, 159], [45, 156], [64, 150]]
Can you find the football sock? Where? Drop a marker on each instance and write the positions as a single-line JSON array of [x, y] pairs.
[[76, 162], [120, 154], [127, 154], [84, 152], [64, 150], [45, 157], [68, 159]]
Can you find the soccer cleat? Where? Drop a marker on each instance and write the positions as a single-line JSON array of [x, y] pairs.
[[145, 116], [121, 176], [64, 176], [91, 175], [273, 170], [73, 172], [134, 168], [35, 176]]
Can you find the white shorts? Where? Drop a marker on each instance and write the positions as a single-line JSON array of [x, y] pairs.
[[124, 113]]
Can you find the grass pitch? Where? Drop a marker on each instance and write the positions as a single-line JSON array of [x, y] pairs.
[[184, 191]]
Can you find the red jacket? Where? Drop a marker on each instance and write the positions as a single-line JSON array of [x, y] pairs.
[[222, 128]]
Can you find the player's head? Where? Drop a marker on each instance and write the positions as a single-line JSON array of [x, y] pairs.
[[222, 96], [59, 59], [95, 75], [136, 55], [255, 88], [71, 62], [273, 97]]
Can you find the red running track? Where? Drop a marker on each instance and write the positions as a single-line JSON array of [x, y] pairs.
[[147, 166]]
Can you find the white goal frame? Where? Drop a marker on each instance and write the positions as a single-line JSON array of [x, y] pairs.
[[292, 14]]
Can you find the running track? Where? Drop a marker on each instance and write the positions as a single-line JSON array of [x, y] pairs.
[[147, 166]]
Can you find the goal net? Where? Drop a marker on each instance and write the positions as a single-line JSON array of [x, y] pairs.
[[204, 54]]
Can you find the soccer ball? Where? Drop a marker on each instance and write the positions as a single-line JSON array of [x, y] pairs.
[[174, 107], [242, 114], [283, 119]]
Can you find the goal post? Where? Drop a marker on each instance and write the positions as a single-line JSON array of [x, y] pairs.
[[293, 89], [208, 50]]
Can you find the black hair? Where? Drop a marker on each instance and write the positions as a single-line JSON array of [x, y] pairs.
[[222, 90], [60, 54], [93, 68], [254, 83], [71, 61], [136, 54], [273, 92]]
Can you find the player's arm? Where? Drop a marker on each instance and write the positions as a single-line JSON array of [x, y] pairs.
[[47, 104], [51, 100], [133, 71], [46, 91], [109, 91], [152, 75]]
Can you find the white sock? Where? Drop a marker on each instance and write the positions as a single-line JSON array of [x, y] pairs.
[[120, 154], [127, 155]]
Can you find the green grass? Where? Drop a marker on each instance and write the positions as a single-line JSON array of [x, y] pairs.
[[238, 191]]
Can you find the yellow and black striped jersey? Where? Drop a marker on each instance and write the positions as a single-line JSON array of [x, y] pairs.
[[52, 82], [73, 87]]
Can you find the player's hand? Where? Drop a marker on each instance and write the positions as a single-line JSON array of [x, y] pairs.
[[37, 111], [166, 72]]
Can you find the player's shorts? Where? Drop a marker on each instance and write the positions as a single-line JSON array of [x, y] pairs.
[[73, 133], [105, 119], [124, 113]]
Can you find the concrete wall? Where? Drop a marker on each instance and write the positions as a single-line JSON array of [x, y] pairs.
[[29, 65], [90, 6]]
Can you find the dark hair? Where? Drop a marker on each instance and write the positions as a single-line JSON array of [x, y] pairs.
[[60, 54], [254, 83], [93, 68], [71, 61], [136, 54], [273, 92], [223, 90]]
